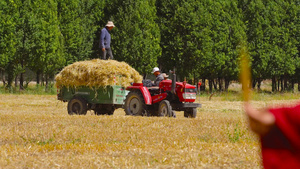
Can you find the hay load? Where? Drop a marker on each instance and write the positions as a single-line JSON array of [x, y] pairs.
[[97, 73]]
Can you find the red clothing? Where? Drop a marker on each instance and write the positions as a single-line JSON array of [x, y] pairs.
[[281, 146], [199, 84]]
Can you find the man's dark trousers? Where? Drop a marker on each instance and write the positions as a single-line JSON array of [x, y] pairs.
[[109, 52]]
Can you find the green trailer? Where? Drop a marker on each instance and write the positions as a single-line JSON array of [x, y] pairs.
[[103, 100]]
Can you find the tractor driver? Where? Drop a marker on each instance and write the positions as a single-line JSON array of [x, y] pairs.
[[158, 75]]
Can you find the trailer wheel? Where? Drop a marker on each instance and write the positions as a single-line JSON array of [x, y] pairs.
[[77, 105], [190, 113], [134, 104], [165, 109]]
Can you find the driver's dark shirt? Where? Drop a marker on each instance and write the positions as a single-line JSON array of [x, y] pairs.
[[158, 79]]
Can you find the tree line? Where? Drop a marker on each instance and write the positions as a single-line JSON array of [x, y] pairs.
[[202, 39]]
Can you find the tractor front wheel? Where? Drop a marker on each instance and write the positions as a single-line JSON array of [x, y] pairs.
[[165, 109], [134, 104], [77, 105]]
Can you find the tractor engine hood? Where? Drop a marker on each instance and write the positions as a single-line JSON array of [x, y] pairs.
[[184, 91], [167, 85]]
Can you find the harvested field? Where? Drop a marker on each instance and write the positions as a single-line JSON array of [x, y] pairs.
[[37, 132]]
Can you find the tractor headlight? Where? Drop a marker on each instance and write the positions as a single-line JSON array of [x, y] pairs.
[[189, 96]]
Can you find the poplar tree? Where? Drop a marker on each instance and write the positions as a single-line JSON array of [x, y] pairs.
[[182, 28], [136, 37], [272, 40], [8, 38], [201, 38], [78, 23], [23, 32], [46, 48]]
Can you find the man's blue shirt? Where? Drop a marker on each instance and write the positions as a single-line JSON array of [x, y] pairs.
[[105, 38]]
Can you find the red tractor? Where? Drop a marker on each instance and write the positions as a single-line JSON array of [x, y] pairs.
[[161, 100]]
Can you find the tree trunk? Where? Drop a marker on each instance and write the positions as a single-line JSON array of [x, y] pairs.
[[258, 84], [281, 84], [253, 83], [203, 84], [195, 81], [3, 77], [210, 84], [227, 84], [220, 84], [273, 84], [285, 83], [292, 85], [38, 73], [22, 81], [10, 75], [16, 81], [22, 76], [47, 83], [215, 84], [43, 79]]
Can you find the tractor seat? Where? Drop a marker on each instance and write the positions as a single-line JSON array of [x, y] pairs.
[[153, 90]]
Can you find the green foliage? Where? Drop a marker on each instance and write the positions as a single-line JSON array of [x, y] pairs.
[[46, 36], [272, 37], [45, 41], [136, 37], [7, 29], [30, 90], [78, 23], [201, 39]]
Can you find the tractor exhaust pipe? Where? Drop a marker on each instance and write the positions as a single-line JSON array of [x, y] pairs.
[[173, 81]]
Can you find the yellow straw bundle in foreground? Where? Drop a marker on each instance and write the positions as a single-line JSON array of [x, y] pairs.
[[97, 73], [245, 75]]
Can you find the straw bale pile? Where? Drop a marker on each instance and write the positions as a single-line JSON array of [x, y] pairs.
[[97, 73]]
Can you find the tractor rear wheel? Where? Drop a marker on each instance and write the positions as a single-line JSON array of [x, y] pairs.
[[77, 105], [190, 113], [134, 104], [165, 109]]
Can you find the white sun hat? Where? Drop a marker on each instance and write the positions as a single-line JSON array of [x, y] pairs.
[[164, 75], [156, 69], [110, 24]]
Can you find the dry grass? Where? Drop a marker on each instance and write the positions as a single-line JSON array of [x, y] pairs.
[[37, 132]]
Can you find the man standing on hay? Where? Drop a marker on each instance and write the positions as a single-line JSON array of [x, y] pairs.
[[105, 40]]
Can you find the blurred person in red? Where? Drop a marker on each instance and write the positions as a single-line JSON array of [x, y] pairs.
[[279, 132], [199, 85]]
